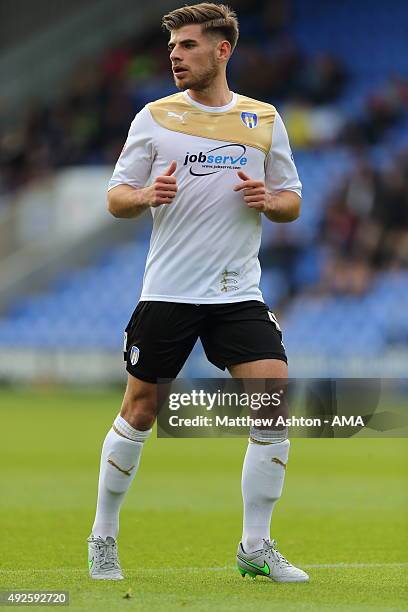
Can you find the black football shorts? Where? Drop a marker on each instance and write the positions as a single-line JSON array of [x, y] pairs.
[[160, 336]]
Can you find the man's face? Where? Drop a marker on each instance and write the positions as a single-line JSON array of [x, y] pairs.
[[193, 57]]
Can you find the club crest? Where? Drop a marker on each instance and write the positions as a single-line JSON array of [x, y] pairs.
[[249, 119], [134, 355]]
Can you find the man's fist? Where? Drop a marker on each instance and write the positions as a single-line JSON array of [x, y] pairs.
[[254, 192], [164, 188]]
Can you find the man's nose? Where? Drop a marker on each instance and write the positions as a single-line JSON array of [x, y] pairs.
[[175, 55]]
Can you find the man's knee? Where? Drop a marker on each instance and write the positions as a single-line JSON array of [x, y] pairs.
[[139, 407]]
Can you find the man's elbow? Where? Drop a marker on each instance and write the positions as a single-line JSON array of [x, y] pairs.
[[295, 208], [112, 206], [113, 212]]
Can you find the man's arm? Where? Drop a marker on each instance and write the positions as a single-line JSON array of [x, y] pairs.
[[283, 187], [279, 196], [280, 207], [283, 206], [126, 202]]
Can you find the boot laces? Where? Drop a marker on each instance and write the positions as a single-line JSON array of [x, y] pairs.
[[272, 550], [106, 554]]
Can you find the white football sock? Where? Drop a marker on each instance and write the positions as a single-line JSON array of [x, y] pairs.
[[119, 463], [262, 482]]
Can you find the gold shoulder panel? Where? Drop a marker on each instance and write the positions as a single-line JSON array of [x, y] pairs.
[[249, 122]]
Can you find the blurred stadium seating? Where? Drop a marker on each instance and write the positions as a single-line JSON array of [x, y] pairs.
[[340, 292]]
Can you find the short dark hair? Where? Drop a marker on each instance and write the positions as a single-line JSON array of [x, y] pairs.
[[217, 19]]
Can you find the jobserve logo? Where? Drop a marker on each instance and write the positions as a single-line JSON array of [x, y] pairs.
[[226, 157]]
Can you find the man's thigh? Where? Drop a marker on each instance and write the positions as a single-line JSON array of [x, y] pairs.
[[244, 333], [266, 378], [159, 337], [263, 368]]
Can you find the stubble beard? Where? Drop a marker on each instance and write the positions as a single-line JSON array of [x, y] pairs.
[[200, 82]]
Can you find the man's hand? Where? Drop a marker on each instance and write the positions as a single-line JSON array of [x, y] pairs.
[[281, 207], [254, 192], [126, 202], [164, 188]]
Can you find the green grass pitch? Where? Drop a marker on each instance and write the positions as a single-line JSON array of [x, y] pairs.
[[342, 517]]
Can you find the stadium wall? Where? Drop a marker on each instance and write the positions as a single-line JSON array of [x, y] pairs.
[[103, 368]]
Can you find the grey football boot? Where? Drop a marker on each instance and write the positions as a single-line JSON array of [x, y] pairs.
[[103, 560], [268, 562]]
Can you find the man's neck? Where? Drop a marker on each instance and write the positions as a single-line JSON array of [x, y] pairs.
[[213, 95]]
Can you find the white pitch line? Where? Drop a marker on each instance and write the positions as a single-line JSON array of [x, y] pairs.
[[351, 565], [212, 569]]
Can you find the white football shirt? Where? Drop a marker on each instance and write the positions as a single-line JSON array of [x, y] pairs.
[[204, 245]]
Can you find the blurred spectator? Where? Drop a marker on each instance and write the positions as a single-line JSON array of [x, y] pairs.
[[383, 109], [297, 117], [366, 227], [311, 126], [392, 218], [282, 254], [323, 79]]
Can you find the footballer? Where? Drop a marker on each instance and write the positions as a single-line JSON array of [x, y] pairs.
[[208, 163]]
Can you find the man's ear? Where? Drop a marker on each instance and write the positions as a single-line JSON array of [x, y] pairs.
[[223, 50]]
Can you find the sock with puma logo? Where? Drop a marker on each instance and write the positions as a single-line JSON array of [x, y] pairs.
[[263, 475], [119, 463]]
